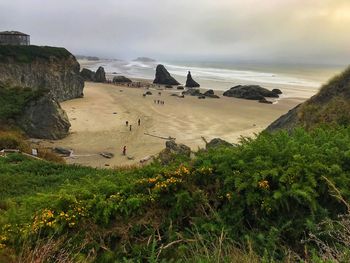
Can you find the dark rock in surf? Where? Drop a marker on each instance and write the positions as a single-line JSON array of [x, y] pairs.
[[163, 77], [190, 83]]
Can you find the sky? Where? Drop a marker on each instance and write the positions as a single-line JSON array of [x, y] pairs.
[[283, 31]]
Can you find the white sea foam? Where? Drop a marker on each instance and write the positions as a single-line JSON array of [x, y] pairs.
[[229, 75]]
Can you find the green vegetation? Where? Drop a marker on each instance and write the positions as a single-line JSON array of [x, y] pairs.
[[14, 99], [330, 105], [27, 54], [255, 202]]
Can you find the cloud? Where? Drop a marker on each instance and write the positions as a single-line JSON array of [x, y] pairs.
[[313, 31]]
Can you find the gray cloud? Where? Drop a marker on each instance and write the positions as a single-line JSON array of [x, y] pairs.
[[313, 31]]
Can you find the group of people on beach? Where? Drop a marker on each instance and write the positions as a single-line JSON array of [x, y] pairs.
[[130, 129], [161, 102]]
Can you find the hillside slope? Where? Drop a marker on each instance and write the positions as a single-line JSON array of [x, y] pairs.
[[264, 195], [330, 105]]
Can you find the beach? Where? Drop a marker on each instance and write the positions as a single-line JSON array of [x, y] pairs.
[[99, 122]]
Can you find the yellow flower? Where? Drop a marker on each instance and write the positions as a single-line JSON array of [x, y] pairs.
[[264, 184]]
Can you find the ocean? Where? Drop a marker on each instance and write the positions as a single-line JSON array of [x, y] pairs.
[[301, 81]]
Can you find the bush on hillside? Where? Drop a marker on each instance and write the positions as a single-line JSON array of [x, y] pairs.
[[267, 194]]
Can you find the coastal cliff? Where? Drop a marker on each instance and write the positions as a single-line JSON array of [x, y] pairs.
[[33, 80], [36, 68]]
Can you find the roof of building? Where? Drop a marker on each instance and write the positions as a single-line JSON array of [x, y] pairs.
[[17, 33]]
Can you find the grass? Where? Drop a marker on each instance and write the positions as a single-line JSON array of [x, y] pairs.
[[28, 54], [14, 99]]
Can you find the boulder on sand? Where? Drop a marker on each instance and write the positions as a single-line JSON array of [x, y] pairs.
[[163, 77], [45, 119], [87, 74], [277, 91], [210, 94], [263, 100], [250, 92], [100, 75], [63, 151], [192, 92], [190, 83], [121, 79]]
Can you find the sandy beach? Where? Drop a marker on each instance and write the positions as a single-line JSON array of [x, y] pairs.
[[98, 122]]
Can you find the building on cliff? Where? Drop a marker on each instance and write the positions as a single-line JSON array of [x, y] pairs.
[[14, 38]]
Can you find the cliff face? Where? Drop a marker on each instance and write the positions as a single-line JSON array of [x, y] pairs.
[[33, 80], [35, 67], [331, 105]]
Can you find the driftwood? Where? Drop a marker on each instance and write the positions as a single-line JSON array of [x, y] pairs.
[[161, 137], [3, 152]]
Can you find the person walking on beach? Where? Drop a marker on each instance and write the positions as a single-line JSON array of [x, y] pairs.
[[127, 123], [124, 150], [139, 122], [130, 127]]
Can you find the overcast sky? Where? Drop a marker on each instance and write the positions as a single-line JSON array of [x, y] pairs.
[[307, 31]]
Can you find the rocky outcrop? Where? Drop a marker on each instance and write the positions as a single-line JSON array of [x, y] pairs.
[[210, 94], [331, 105], [87, 74], [121, 79], [49, 72], [265, 101], [100, 75], [190, 83], [38, 68], [277, 91], [192, 92], [196, 92], [44, 118], [163, 77], [250, 92], [172, 149], [217, 142]]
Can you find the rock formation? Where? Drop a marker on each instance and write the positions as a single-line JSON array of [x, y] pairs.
[[163, 77], [100, 75], [210, 94], [331, 105], [121, 79], [87, 74], [42, 68], [52, 73], [192, 92], [250, 92], [190, 83], [44, 118], [196, 92]]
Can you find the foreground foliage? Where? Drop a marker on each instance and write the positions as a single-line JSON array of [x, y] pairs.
[[266, 195]]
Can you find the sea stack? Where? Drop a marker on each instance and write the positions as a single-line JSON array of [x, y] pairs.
[[100, 75], [190, 83], [163, 77]]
